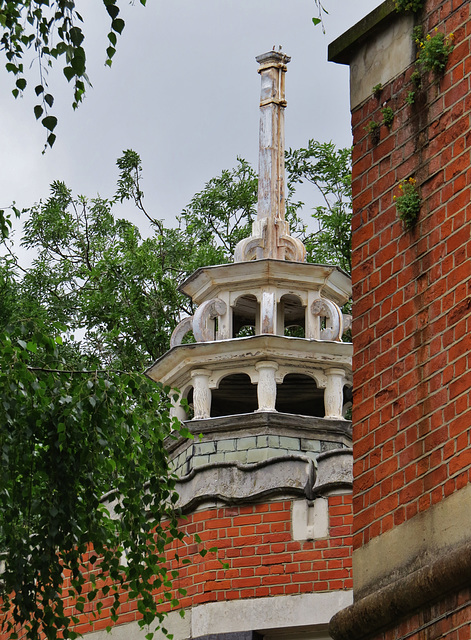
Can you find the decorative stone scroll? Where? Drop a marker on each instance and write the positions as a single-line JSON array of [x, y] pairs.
[[180, 331], [202, 323], [203, 320], [334, 319]]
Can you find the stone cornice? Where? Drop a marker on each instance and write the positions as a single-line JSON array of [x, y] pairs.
[[173, 367], [205, 282], [383, 608]]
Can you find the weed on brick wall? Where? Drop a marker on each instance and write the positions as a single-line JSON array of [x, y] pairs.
[[408, 202], [373, 128], [409, 5], [433, 50], [388, 116]]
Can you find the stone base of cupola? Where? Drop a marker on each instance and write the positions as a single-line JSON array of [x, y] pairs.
[[256, 437]]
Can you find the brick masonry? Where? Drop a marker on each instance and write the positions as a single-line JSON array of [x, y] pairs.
[[412, 291], [263, 559]]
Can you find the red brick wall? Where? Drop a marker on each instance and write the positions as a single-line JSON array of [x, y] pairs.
[[450, 618], [412, 292], [256, 542]]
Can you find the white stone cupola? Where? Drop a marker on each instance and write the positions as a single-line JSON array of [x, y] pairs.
[[268, 374]]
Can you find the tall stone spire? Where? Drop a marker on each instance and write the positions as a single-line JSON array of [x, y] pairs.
[[270, 232]]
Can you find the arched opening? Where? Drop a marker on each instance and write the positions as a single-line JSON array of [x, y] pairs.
[[245, 316], [190, 411], [347, 402], [235, 394], [299, 394], [292, 316]]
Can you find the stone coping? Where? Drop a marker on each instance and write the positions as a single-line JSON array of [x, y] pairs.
[[383, 608], [346, 45]]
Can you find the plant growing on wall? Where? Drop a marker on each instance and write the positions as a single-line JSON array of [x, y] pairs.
[[373, 128], [433, 50], [409, 5], [388, 116], [408, 202]]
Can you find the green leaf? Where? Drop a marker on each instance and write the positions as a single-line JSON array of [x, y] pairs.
[[49, 122], [316, 21], [113, 10], [117, 25], [69, 73], [21, 84], [38, 89], [38, 111], [49, 99]]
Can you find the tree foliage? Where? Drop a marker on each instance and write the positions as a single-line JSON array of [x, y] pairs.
[[329, 170], [69, 438], [47, 33], [74, 428]]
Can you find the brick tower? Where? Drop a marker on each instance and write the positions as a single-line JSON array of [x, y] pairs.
[[267, 480], [411, 102]]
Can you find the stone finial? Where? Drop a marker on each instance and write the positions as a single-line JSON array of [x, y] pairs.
[[270, 232]]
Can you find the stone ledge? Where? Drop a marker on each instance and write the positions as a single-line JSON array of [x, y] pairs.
[[383, 608], [266, 423], [342, 49], [237, 483]]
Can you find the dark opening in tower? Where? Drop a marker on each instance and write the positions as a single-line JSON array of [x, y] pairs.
[[235, 394], [245, 316], [299, 394], [292, 316]]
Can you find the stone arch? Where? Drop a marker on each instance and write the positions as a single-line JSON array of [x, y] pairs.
[[347, 401], [235, 394], [300, 394], [245, 316], [291, 316]]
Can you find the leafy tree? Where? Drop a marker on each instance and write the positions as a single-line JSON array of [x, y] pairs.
[[49, 33], [68, 439], [222, 214], [329, 170]]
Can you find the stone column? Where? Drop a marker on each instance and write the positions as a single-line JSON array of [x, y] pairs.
[[266, 388], [201, 393], [271, 170], [268, 311], [333, 395]]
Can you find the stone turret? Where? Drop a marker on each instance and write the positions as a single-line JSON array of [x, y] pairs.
[[249, 312], [267, 389]]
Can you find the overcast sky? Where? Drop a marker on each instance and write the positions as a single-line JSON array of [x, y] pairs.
[[183, 92]]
